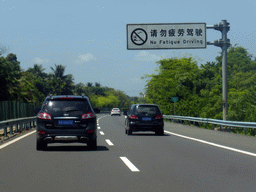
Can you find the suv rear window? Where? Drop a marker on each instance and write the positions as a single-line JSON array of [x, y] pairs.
[[61, 105], [142, 109]]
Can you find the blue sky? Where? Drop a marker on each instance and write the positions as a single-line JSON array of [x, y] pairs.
[[89, 36]]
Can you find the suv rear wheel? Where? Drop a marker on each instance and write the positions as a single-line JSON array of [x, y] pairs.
[[129, 132], [40, 146], [92, 144], [159, 132]]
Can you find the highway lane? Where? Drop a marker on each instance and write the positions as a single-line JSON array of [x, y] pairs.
[[184, 165], [164, 163]]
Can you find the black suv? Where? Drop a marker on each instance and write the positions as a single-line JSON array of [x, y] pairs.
[[65, 119], [144, 117]]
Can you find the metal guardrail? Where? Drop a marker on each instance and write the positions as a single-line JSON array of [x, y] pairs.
[[29, 122], [19, 124], [206, 121]]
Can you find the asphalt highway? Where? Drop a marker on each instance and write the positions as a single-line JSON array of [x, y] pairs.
[[186, 158]]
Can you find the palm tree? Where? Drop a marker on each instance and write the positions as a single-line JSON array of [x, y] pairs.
[[97, 84], [79, 89], [60, 83], [58, 72], [38, 71], [89, 84]]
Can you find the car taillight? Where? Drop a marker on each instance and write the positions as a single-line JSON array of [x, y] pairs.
[[88, 115], [133, 117], [159, 117], [41, 132], [91, 131], [45, 116]]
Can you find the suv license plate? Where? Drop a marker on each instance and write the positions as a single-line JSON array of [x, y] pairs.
[[146, 118], [65, 122], [66, 138]]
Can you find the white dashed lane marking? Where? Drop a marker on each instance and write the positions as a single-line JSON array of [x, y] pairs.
[[102, 133], [129, 164], [109, 142], [126, 161]]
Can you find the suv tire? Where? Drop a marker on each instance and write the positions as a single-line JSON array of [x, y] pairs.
[[92, 144], [129, 132], [40, 146], [159, 132]]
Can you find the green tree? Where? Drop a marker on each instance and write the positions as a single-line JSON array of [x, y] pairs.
[[174, 79], [200, 88], [25, 89], [41, 79], [10, 72], [79, 89], [60, 83], [38, 71], [108, 101], [89, 84], [97, 84]]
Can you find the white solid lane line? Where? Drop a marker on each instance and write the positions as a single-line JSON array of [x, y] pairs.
[[19, 138], [102, 133], [129, 164], [213, 144], [109, 142]]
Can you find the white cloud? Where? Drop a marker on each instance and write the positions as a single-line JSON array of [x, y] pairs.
[[146, 56], [85, 58], [38, 60]]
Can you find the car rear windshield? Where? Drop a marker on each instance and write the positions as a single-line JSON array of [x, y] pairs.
[[143, 109], [61, 105]]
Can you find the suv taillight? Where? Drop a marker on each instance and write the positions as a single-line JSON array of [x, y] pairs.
[[45, 116], [41, 132], [88, 115], [133, 117], [159, 117]]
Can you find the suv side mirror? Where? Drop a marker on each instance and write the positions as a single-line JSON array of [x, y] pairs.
[[96, 110], [36, 110]]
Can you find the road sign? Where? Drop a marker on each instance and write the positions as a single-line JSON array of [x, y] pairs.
[[175, 99], [166, 36]]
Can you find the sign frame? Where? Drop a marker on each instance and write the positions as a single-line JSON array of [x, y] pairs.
[[145, 40]]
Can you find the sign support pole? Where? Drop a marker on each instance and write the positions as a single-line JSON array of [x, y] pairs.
[[224, 43], [174, 108]]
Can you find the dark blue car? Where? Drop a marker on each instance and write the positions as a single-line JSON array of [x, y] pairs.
[[144, 117]]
